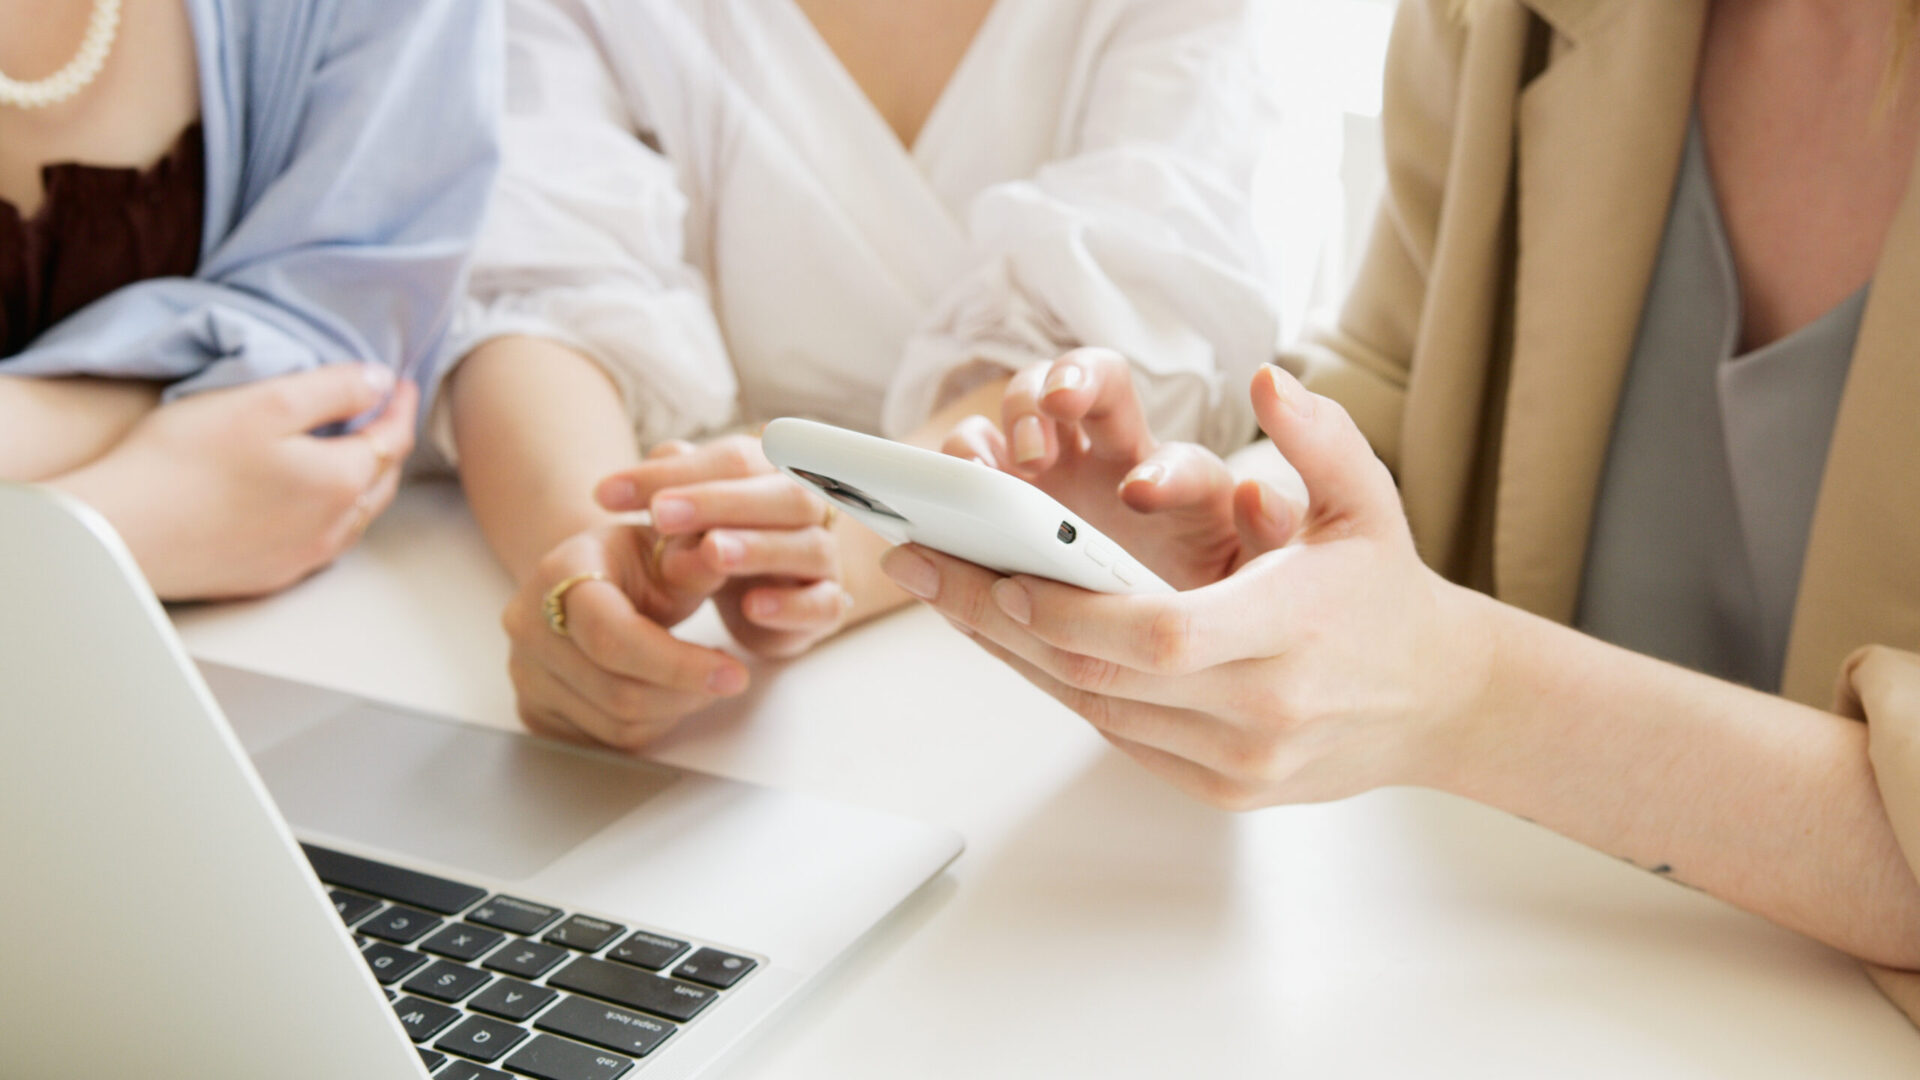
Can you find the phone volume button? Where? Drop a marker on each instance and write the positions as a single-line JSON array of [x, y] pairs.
[[1127, 572], [1101, 553]]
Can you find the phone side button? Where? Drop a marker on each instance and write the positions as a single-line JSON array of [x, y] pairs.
[[1101, 553], [1128, 573]]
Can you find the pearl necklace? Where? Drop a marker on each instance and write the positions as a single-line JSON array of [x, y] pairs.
[[81, 70]]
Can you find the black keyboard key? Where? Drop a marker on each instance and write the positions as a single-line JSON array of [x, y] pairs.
[[462, 942], [446, 981], [548, 1058], [622, 985], [391, 882], [650, 951], [607, 1026], [584, 932], [352, 907], [430, 1059], [467, 1070], [715, 968], [423, 1019], [482, 1039], [527, 959], [511, 999], [390, 963], [514, 915], [400, 925], [391, 995]]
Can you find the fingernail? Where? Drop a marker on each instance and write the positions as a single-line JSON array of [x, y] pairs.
[[1291, 394], [729, 548], [1029, 442], [1146, 474], [619, 494], [378, 376], [670, 513], [1064, 377], [727, 680], [1267, 506], [912, 573], [1014, 600]]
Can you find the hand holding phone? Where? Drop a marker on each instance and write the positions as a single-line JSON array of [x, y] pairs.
[[959, 507]]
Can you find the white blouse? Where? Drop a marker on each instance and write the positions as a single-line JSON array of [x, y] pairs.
[[698, 196]]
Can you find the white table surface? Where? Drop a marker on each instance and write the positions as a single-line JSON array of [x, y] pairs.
[[1099, 924]]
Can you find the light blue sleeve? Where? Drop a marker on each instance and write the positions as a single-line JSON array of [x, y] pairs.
[[355, 250]]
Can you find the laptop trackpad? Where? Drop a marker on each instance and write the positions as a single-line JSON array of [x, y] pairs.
[[499, 804]]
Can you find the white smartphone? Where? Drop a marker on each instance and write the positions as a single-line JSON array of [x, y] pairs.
[[953, 505]]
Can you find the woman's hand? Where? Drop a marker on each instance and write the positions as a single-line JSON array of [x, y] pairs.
[[612, 673], [1075, 429], [227, 494], [767, 538], [1328, 667]]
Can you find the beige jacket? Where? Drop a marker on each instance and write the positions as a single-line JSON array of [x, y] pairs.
[[1531, 157]]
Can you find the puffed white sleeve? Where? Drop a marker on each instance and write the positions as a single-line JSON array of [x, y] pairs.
[[1139, 237], [585, 241]]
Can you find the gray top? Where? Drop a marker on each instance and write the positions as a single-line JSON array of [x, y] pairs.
[[1701, 524]]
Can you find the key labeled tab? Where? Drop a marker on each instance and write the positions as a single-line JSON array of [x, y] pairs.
[[547, 1057]]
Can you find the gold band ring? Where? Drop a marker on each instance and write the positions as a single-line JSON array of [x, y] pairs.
[[555, 604], [383, 458], [833, 512], [653, 556]]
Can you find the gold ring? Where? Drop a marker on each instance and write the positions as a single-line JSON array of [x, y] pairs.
[[555, 604], [653, 557], [832, 513], [382, 457]]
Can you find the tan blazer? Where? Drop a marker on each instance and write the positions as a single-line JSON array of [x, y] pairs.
[[1531, 157]]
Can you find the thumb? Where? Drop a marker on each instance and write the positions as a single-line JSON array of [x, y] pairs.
[[1345, 481], [299, 403]]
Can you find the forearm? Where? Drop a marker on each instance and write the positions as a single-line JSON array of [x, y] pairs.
[[860, 548], [537, 426], [49, 427], [1763, 802]]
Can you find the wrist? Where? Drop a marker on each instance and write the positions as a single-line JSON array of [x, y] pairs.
[[1470, 720], [113, 487]]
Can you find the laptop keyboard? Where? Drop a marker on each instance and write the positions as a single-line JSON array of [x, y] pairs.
[[487, 982]]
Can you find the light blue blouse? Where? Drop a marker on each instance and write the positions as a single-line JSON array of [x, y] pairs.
[[350, 150]]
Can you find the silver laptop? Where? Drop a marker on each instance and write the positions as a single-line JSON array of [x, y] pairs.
[[211, 873]]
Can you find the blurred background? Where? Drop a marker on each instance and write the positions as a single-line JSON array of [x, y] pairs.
[[1322, 175]]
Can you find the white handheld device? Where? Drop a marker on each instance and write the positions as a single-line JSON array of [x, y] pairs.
[[960, 507]]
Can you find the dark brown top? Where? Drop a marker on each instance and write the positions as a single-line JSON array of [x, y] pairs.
[[97, 230]]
